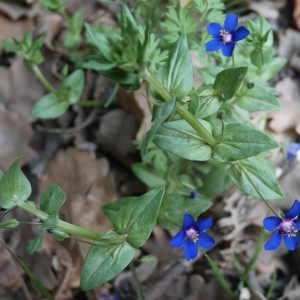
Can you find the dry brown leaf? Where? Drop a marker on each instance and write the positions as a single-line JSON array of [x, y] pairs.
[[288, 43], [116, 132], [11, 23], [288, 117], [15, 134], [16, 11], [88, 186]]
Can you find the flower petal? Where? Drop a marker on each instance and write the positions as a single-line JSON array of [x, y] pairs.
[[205, 240], [240, 34], [271, 223], [188, 222], [227, 49], [214, 29], [204, 224], [294, 211], [190, 250], [230, 23], [297, 224], [291, 242], [178, 240], [274, 242], [214, 45]]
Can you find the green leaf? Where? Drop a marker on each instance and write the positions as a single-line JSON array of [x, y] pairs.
[[98, 65], [180, 138], [9, 46], [258, 99], [216, 179], [51, 202], [240, 141], [174, 207], [209, 74], [101, 41], [138, 217], [177, 73], [261, 57], [228, 82], [49, 223], [72, 87], [149, 176], [9, 224], [208, 106], [50, 107], [58, 234], [112, 209], [14, 186], [1, 175], [129, 81], [34, 280], [53, 199], [252, 175], [161, 115], [104, 262], [274, 67]]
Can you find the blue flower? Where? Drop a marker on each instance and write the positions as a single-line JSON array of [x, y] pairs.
[[225, 37], [286, 227], [193, 195], [292, 151], [192, 235]]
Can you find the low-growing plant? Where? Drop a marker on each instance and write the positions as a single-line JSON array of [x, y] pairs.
[[209, 124]]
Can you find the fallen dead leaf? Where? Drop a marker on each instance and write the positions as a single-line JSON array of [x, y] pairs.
[[116, 132], [88, 187], [15, 134], [288, 117]]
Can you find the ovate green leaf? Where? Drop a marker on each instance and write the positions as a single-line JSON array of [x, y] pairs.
[[174, 207], [103, 262], [240, 141], [14, 186], [180, 138], [254, 177], [138, 217]]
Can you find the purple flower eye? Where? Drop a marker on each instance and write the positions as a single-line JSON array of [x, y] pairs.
[[224, 38], [286, 228], [193, 235]]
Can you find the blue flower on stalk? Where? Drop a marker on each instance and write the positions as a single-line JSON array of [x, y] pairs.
[[286, 227], [225, 37], [292, 151], [193, 235]]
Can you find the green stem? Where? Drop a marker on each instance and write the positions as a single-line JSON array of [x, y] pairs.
[[43, 80], [256, 189], [200, 129], [232, 60], [184, 113], [70, 228], [137, 282]]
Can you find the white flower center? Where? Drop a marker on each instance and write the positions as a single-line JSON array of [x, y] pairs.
[[287, 227], [192, 234], [226, 36]]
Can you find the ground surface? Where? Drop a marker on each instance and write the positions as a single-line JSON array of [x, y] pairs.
[[88, 152]]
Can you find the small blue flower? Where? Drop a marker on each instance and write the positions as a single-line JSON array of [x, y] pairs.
[[193, 195], [192, 235], [286, 227], [292, 151], [225, 37]]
